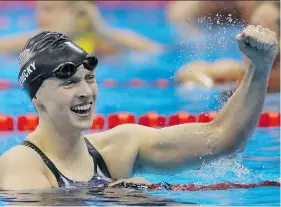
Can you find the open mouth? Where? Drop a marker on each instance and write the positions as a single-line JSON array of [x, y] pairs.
[[82, 109]]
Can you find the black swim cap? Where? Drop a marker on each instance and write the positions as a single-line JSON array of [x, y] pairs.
[[42, 54]]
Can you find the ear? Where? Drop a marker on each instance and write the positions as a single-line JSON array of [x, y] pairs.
[[37, 103]]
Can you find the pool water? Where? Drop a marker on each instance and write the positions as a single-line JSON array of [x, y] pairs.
[[259, 162]]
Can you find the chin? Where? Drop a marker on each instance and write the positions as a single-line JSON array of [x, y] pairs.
[[81, 122], [83, 125]]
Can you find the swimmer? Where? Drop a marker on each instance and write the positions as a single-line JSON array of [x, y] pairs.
[[82, 22], [209, 74], [59, 78], [186, 13]]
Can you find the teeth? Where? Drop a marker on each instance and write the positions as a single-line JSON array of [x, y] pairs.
[[81, 107]]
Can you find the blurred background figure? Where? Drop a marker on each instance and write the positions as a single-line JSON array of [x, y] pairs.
[[82, 21], [186, 14], [209, 74], [206, 73]]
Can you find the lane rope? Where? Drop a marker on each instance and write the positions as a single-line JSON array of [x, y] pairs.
[[193, 187], [29, 122]]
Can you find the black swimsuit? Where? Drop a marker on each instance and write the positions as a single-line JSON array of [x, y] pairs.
[[101, 173]]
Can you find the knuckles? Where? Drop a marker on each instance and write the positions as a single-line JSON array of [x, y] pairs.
[[260, 34]]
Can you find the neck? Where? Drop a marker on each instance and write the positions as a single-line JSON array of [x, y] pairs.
[[60, 143]]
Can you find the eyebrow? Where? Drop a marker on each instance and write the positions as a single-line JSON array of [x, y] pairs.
[[72, 78], [77, 78], [90, 72]]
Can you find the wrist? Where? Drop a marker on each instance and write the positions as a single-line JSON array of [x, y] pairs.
[[261, 64], [261, 67], [258, 72]]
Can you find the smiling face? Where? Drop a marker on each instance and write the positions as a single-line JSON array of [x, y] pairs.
[[69, 103]]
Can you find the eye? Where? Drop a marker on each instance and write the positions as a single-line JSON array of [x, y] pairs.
[[90, 77], [69, 83]]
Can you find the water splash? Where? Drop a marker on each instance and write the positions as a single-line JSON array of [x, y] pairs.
[[221, 171]]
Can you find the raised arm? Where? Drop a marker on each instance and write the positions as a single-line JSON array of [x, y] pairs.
[[185, 144]]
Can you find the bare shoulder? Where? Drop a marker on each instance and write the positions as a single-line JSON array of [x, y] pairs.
[[120, 135], [20, 166], [120, 147], [20, 155]]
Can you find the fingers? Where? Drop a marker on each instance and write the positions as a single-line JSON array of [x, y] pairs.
[[257, 37], [239, 37], [261, 39], [270, 40], [259, 28], [266, 46], [251, 33], [244, 37], [253, 40], [260, 44], [240, 40]]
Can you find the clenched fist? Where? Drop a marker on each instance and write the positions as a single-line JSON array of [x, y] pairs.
[[258, 44]]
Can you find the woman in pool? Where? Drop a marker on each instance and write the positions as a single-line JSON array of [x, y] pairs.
[[81, 21], [59, 78]]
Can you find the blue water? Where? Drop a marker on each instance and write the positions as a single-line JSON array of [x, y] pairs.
[[260, 161]]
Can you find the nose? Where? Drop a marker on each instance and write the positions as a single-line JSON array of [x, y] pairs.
[[84, 90]]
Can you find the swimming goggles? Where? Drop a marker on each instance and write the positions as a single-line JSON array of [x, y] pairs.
[[68, 69]]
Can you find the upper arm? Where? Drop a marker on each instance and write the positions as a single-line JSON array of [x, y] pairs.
[[181, 145], [169, 147], [18, 173]]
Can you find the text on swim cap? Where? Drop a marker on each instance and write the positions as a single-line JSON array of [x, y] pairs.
[[26, 72]]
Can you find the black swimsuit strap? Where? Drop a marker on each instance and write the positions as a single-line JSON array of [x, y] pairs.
[[98, 159], [46, 160]]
